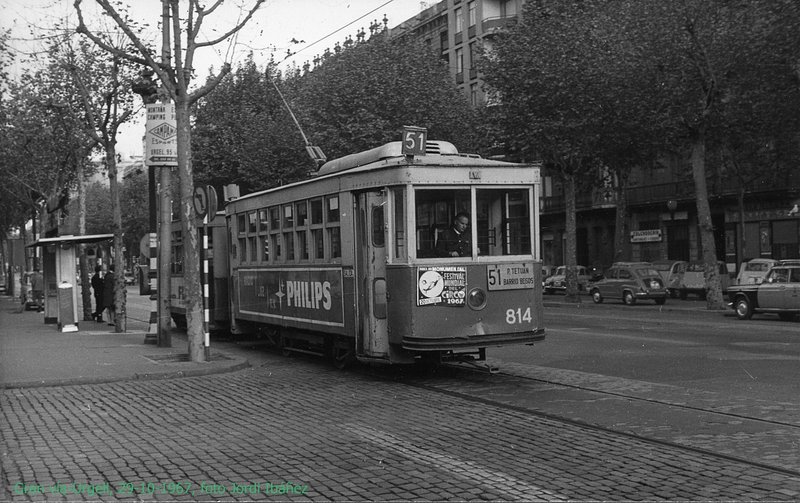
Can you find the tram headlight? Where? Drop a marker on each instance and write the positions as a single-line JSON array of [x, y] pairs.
[[476, 298]]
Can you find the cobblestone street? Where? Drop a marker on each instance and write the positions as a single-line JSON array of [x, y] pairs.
[[297, 429]]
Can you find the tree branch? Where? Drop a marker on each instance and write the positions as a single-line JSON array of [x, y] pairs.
[[145, 60]]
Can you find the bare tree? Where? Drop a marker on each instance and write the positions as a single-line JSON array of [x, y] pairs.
[[175, 77]]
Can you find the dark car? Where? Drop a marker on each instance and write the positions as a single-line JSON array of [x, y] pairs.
[[779, 293], [629, 282]]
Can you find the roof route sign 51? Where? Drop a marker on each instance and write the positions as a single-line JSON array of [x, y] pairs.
[[161, 138]]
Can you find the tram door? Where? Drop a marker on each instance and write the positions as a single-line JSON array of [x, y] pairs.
[[372, 336]]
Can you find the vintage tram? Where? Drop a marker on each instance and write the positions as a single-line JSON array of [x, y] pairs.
[[345, 264]]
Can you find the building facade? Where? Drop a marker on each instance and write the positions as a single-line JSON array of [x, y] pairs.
[[660, 198]]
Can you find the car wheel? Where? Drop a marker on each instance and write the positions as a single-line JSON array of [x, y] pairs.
[[628, 298], [744, 310], [596, 297], [661, 301]]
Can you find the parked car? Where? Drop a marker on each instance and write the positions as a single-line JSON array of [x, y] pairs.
[[671, 272], [558, 281], [694, 279], [754, 270], [629, 282], [779, 293]]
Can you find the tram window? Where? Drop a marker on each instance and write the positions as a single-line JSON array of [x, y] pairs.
[[503, 221], [316, 211], [275, 240], [334, 238], [288, 217], [302, 213], [435, 211], [251, 222], [319, 245], [253, 246], [240, 223], [399, 224], [302, 244], [263, 221], [333, 208], [275, 218], [378, 238], [242, 250], [288, 239]]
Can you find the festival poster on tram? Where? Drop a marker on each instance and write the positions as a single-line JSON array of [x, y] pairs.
[[313, 295], [442, 286]]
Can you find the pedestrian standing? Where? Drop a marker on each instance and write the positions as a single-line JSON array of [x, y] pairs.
[[108, 294], [37, 288], [97, 286]]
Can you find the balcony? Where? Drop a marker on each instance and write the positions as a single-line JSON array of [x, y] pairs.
[[498, 23]]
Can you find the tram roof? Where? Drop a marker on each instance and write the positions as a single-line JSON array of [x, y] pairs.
[[437, 153]]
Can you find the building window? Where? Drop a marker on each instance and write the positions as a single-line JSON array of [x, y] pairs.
[[508, 8], [473, 94], [472, 13], [459, 60], [459, 15]]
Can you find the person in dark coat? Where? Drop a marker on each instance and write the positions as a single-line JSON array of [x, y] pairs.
[[97, 286], [455, 241], [108, 294]]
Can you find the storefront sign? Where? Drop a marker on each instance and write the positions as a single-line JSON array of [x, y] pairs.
[[646, 236]]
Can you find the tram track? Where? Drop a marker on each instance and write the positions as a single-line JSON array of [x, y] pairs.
[[505, 387]]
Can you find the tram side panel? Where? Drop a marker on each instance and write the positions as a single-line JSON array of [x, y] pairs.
[[316, 298], [452, 307], [217, 255]]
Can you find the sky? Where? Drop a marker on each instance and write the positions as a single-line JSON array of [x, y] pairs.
[[316, 24]]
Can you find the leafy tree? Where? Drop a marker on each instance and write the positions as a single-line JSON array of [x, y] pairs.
[[175, 73], [618, 81], [552, 104], [362, 96], [243, 134]]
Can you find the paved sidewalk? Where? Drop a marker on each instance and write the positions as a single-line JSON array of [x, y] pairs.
[[33, 353]]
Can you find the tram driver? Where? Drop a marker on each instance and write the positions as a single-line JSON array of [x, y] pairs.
[[455, 241]]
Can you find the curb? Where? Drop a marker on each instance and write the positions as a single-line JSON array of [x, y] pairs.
[[151, 376]]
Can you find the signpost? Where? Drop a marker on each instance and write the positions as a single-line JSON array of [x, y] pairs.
[[161, 151], [161, 138]]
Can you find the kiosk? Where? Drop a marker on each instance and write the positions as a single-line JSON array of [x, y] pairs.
[[60, 277]]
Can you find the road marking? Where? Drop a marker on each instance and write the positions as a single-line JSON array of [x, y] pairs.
[[511, 487]]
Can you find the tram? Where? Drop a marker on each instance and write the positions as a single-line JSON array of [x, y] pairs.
[[215, 253], [345, 264]]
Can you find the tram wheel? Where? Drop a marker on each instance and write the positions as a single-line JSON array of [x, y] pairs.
[[342, 358], [284, 345]]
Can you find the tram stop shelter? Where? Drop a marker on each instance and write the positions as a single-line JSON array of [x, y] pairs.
[[59, 270]]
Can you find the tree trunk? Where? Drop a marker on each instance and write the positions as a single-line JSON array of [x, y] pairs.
[[570, 228], [714, 299], [83, 261], [191, 248], [119, 262], [622, 243], [742, 236]]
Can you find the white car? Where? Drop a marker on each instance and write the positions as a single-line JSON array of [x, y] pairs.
[[753, 271]]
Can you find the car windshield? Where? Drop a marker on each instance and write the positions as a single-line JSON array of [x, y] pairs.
[[757, 266], [561, 271], [646, 271], [661, 267]]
